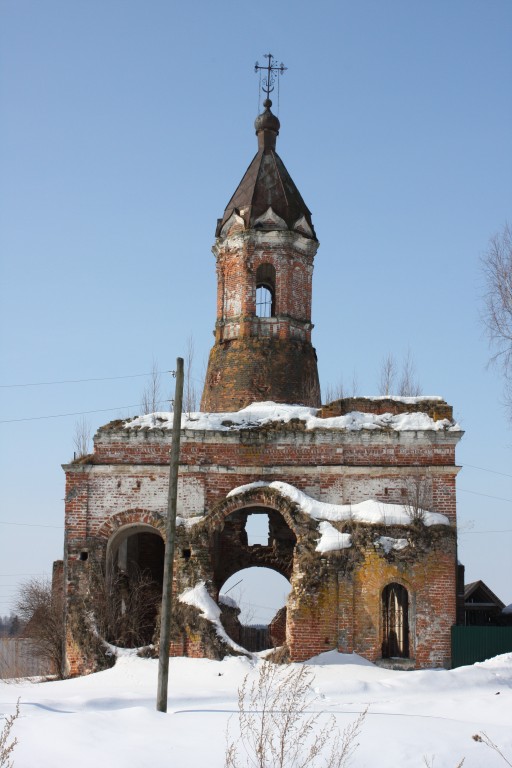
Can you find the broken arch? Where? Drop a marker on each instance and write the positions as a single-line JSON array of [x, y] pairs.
[[254, 530]]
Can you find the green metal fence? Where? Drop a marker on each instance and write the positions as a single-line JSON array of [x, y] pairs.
[[470, 644]]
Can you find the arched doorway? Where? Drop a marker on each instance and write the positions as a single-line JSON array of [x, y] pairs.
[[135, 566], [253, 601], [395, 621]]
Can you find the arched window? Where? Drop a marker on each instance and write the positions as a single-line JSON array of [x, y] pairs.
[[265, 290], [395, 622]]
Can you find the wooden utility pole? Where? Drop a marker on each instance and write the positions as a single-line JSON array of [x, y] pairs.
[[165, 628]]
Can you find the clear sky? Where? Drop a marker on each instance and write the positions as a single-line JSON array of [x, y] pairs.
[[126, 126]]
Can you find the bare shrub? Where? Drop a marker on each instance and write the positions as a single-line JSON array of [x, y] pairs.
[[123, 606], [354, 388], [190, 395], [388, 371], [6, 746], [277, 729], [418, 496], [41, 609], [151, 396], [408, 385], [82, 438], [335, 392], [485, 739], [394, 382]]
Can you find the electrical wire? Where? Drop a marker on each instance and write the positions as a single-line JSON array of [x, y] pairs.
[[487, 495], [76, 413], [31, 525], [80, 381], [506, 530], [482, 469], [15, 575]]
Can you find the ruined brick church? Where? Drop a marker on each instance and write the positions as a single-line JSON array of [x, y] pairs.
[[358, 495]]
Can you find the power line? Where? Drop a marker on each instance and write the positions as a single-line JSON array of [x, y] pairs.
[[75, 413], [482, 469], [8, 575], [31, 525], [506, 530], [80, 381], [487, 496]]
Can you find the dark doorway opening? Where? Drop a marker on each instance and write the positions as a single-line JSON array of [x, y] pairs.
[[134, 586], [395, 622]]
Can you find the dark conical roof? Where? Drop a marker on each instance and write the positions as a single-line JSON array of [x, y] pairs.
[[267, 184]]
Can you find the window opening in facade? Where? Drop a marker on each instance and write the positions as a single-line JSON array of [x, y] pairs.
[[257, 529], [395, 622]]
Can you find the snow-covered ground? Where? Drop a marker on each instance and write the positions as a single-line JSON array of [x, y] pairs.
[[110, 719]]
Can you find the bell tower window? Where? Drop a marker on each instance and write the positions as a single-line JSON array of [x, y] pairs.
[[265, 291]]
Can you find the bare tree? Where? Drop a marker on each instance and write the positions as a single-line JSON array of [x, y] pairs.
[[387, 375], [497, 314], [41, 608], [408, 385], [151, 397], [277, 727], [82, 437], [190, 404]]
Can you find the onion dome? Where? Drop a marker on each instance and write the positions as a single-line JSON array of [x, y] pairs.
[[267, 121]]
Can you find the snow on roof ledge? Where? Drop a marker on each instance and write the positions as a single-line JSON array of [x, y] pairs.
[[368, 511], [260, 414]]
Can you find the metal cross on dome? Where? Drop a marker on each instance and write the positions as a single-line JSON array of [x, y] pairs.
[[273, 70]]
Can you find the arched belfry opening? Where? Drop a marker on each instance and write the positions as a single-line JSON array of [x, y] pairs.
[[266, 291], [134, 573]]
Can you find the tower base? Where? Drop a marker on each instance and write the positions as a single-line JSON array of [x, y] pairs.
[[244, 371]]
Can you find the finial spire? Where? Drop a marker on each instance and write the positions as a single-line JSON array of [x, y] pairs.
[[273, 70]]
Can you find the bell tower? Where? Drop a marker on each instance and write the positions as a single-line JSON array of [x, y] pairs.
[[265, 246]]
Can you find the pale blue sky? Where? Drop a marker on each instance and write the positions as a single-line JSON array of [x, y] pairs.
[[126, 126]]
